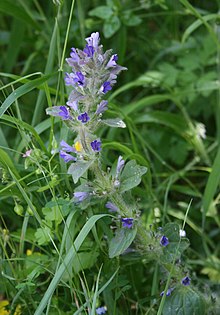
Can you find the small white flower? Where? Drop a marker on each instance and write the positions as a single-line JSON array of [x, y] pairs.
[[182, 233], [201, 130]]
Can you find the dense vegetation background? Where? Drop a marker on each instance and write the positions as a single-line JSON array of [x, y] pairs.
[[170, 100]]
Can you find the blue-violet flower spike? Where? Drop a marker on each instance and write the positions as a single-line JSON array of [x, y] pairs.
[[127, 222], [84, 118], [67, 157], [96, 145], [164, 241], [64, 113], [111, 207], [80, 195], [106, 87], [186, 281]]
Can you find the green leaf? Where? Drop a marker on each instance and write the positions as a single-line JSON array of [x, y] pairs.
[[184, 300], [122, 240], [176, 244], [85, 260], [77, 169], [116, 122], [55, 210], [130, 19], [131, 175], [111, 26], [103, 12], [43, 235]]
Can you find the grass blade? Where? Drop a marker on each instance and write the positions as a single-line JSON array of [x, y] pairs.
[[58, 275], [24, 89], [211, 186]]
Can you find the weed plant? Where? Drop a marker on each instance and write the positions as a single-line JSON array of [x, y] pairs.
[[109, 190]]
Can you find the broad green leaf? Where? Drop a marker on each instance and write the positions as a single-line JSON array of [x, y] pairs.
[[111, 26], [103, 12], [42, 235], [176, 244], [131, 175], [55, 210], [130, 19], [122, 240], [77, 169], [117, 122], [84, 260], [184, 301]]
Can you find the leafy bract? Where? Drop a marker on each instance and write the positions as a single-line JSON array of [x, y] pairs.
[[184, 300], [116, 122], [77, 169], [131, 175], [176, 244], [122, 240]]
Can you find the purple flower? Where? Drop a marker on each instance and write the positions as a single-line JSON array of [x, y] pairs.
[[67, 157], [120, 165], [74, 58], [106, 86], [80, 195], [96, 145], [69, 79], [84, 117], [186, 281], [27, 153], [112, 61], [127, 222], [169, 291], [93, 40], [164, 241], [101, 310], [73, 104], [66, 147], [64, 113], [112, 208], [102, 107], [89, 51], [79, 78]]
